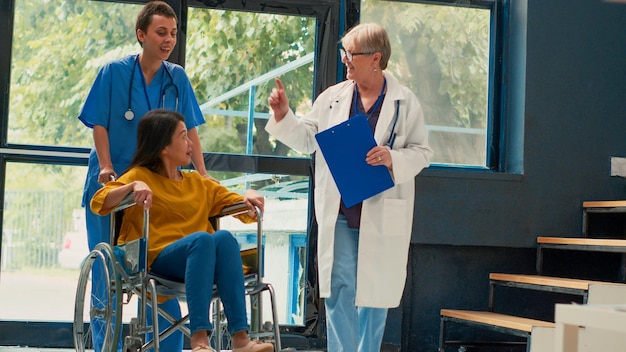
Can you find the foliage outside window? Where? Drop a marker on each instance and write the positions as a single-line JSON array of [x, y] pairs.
[[442, 53], [58, 48], [226, 49]]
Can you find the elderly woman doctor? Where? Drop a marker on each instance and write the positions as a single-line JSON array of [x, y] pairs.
[[362, 250]]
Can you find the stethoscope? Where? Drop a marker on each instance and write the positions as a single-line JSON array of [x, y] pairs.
[[129, 115], [392, 134]]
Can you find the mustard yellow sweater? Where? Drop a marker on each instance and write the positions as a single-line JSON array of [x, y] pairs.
[[179, 208]]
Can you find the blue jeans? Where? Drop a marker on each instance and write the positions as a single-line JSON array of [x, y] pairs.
[[341, 312], [202, 260]]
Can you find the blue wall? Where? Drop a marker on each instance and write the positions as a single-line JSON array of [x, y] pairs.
[[565, 118]]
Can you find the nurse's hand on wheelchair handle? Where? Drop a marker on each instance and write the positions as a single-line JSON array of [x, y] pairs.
[[106, 174]]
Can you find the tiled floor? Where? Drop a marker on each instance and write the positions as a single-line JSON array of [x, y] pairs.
[[31, 349]]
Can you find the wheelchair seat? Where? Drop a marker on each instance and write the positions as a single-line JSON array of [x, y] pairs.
[[124, 268]]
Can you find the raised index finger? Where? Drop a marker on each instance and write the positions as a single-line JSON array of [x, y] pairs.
[[279, 84]]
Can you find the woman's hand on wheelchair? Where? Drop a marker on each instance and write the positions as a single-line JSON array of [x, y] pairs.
[[142, 194], [252, 200]]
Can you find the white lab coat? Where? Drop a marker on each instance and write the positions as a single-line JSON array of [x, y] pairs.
[[386, 218]]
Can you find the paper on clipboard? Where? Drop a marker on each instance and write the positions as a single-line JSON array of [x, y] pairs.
[[344, 148]]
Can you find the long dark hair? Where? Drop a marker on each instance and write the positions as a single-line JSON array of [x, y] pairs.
[[154, 133]]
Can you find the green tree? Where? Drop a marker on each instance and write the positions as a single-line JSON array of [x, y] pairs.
[[58, 47], [53, 70], [226, 49], [442, 54], [57, 50]]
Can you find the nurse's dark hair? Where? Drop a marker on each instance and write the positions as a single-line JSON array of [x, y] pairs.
[[144, 17], [154, 133]]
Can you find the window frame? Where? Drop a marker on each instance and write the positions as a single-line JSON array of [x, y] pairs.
[[495, 130], [326, 12]]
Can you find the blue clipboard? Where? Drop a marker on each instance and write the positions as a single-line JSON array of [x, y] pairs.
[[344, 148]]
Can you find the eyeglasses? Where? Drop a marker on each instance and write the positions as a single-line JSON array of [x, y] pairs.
[[348, 55]]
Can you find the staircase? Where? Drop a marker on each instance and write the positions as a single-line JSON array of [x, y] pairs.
[[532, 334]]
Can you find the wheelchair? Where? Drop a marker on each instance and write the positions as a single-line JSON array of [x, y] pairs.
[[126, 276]]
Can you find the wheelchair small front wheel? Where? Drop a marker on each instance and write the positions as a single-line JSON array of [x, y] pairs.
[[98, 304]]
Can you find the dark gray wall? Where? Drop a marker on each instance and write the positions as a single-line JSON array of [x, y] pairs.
[[565, 118]]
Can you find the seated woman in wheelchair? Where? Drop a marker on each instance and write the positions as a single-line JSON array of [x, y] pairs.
[[181, 246]]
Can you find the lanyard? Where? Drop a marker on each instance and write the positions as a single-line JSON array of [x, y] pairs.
[[392, 135], [376, 105]]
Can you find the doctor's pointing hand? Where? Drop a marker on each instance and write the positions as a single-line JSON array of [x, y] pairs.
[[278, 101]]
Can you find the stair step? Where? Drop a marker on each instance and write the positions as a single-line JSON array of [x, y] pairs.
[[496, 319], [581, 244], [576, 241], [591, 291], [605, 204], [539, 280]]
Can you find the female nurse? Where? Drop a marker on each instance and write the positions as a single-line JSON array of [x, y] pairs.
[[123, 92]]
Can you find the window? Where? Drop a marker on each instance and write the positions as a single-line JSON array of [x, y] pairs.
[[232, 59], [445, 52], [58, 48], [43, 242], [297, 261], [62, 45], [285, 219]]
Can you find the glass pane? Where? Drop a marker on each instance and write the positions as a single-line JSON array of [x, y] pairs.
[[43, 242], [441, 52], [62, 44], [219, 60], [284, 227], [232, 59]]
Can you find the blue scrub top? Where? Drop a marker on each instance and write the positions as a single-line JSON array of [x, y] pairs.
[[110, 97]]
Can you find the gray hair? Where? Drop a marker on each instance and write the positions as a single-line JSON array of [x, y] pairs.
[[369, 37]]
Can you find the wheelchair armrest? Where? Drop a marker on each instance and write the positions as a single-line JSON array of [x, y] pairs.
[[117, 214], [127, 202], [233, 209]]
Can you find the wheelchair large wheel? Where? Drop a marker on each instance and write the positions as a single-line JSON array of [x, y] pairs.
[[98, 305]]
